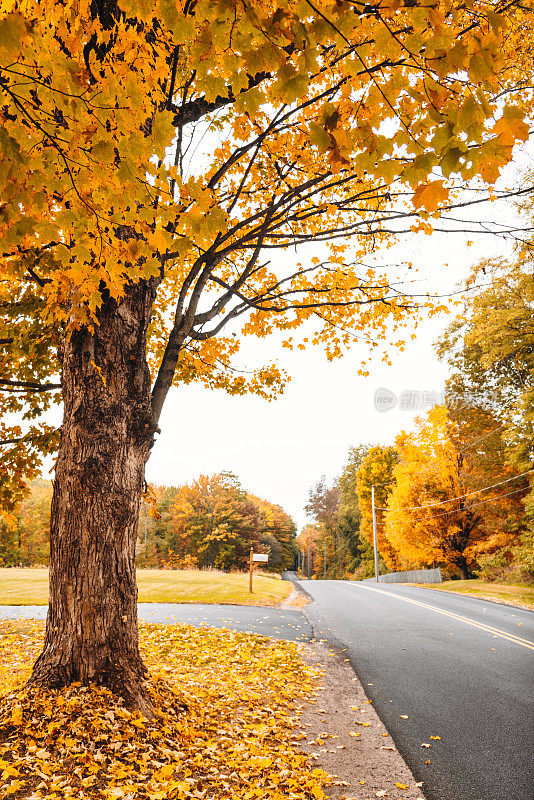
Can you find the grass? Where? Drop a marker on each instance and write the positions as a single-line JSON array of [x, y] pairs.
[[28, 586], [516, 595]]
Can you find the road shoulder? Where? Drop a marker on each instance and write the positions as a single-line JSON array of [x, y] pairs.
[[345, 736]]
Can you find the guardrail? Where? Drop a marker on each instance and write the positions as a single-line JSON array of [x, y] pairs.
[[412, 576]]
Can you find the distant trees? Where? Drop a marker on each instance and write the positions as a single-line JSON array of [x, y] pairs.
[[211, 522], [483, 436], [25, 533], [214, 522], [278, 532], [336, 539]]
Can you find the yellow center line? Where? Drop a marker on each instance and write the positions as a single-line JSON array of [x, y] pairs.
[[488, 628]]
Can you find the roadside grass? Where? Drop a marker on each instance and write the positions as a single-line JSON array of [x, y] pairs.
[[28, 586], [226, 722], [516, 595]]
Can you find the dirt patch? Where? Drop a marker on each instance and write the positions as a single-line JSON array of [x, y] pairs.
[[295, 600], [346, 738]]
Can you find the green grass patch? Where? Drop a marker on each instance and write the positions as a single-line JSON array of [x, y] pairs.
[[517, 595], [27, 586]]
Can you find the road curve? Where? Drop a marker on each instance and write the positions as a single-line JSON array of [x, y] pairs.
[[436, 664]]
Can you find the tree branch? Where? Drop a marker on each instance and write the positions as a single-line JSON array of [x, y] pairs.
[[29, 386]]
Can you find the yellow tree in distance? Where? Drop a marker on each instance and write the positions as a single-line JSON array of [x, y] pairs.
[[433, 512]]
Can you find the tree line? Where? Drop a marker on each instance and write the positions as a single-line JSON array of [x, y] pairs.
[[211, 522], [458, 491]]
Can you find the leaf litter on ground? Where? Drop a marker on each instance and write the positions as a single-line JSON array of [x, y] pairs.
[[226, 723]]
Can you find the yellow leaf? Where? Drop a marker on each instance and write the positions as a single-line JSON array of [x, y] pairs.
[[430, 195], [165, 772]]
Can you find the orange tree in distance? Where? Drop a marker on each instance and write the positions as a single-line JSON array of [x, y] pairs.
[[127, 266], [214, 521]]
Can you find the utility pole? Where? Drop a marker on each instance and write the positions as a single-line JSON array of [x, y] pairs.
[[375, 538], [325, 560], [308, 561]]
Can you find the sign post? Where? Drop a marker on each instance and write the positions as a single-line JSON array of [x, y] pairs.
[[261, 558]]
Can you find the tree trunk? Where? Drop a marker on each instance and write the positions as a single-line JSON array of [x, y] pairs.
[[461, 563], [106, 437]]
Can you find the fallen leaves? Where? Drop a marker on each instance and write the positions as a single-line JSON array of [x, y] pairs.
[[225, 725]]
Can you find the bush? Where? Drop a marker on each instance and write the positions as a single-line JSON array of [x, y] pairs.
[[494, 568], [523, 555], [513, 565], [365, 570]]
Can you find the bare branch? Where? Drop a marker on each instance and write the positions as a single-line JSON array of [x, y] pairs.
[[27, 386]]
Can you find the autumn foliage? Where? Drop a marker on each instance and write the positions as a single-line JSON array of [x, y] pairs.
[[210, 523], [424, 520], [215, 523], [323, 121], [225, 723]]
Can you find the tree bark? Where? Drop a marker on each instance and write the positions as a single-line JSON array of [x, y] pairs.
[[106, 437], [461, 563]]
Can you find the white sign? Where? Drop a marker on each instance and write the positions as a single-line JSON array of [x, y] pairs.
[[260, 557]]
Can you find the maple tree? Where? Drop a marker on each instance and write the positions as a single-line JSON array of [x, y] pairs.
[[322, 505], [434, 513], [358, 553], [214, 522], [308, 542], [127, 266]]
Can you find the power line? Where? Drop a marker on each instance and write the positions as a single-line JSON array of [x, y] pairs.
[[462, 510], [467, 446], [462, 496]]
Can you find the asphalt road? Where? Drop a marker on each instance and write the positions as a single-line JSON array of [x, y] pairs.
[[282, 624], [457, 667]]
